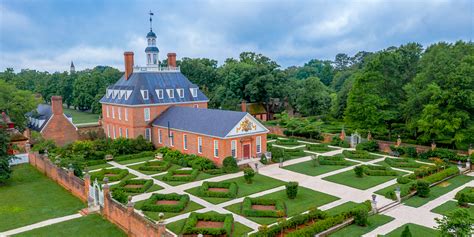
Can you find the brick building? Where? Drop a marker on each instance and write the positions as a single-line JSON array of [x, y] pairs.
[[161, 104]]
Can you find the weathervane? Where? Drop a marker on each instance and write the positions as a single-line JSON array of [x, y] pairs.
[[151, 14]]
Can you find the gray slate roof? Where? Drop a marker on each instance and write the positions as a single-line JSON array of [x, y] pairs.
[[211, 122], [42, 112], [151, 81]]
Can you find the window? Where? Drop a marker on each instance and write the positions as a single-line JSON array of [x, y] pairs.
[[119, 113], [146, 112], [216, 148], [120, 132], [148, 56], [160, 138], [234, 148], [126, 132], [148, 134], [199, 145], [194, 92], [108, 130], [154, 59], [185, 141], [171, 137], [180, 93], [144, 94], [259, 144], [170, 93], [108, 113], [113, 131], [126, 114], [113, 112], [196, 106], [159, 93], [127, 94]]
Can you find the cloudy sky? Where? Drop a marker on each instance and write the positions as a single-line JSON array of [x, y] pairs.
[[48, 34]]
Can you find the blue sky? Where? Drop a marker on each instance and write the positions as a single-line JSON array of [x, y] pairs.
[[48, 34]]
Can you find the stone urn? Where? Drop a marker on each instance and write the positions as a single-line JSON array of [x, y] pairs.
[[159, 156]]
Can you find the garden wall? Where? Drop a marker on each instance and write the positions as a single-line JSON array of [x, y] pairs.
[[385, 147], [275, 130]]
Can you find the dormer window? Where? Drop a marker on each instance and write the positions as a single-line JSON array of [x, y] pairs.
[[159, 93], [109, 93], [170, 93], [115, 93], [121, 93], [144, 94], [194, 92], [127, 94], [180, 93]]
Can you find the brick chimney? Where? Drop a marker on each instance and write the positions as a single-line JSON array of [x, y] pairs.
[[57, 105], [128, 56], [243, 106], [171, 60]]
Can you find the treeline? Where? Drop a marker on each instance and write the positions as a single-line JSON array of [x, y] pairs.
[[420, 94]]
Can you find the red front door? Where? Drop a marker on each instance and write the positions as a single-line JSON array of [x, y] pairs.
[[246, 151]]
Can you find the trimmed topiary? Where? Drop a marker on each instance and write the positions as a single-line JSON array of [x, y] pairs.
[[111, 174], [247, 207], [359, 171], [248, 175], [155, 166], [360, 216], [263, 159], [422, 188], [229, 164], [291, 189], [406, 232]]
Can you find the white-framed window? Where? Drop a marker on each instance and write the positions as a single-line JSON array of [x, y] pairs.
[[146, 113], [148, 134], [108, 130], [126, 132], [148, 56], [180, 93], [113, 131], [113, 112], [120, 132], [108, 112], [126, 114], [119, 113], [144, 94], [171, 137], [170, 93], [196, 105], [216, 148], [259, 144], [233, 148], [160, 138], [127, 94], [159, 93], [199, 145], [185, 141], [194, 92], [109, 93], [155, 59]]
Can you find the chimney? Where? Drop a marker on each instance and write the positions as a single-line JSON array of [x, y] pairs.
[[57, 105], [243, 106], [128, 56], [172, 60]]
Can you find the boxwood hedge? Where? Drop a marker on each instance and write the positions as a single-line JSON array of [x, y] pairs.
[[188, 175], [150, 204], [375, 170], [117, 174], [144, 154], [190, 225], [469, 192], [333, 160], [145, 185], [247, 209], [231, 186], [402, 162], [155, 166], [362, 155]]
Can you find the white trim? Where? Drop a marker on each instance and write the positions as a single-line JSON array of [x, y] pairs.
[[216, 148], [50, 118], [158, 91], [126, 132], [258, 144], [119, 113], [170, 93], [120, 131], [113, 131], [254, 120], [200, 145], [145, 114], [147, 97], [108, 112], [185, 142], [207, 135], [171, 138], [180, 95], [233, 146], [126, 114], [160, 136], [194, 92], [113, 112], [149, 133], [108, 130], [170, 103]]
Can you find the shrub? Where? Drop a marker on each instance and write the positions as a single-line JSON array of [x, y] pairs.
[[263, 159], [442, 174], [293, 153], [120, 195], [336, 141], [230, 165], [405, 162], [190, 225], [442, 154], [150, 204], [360, 216], [359, 171], [247, 209], [361, 155], [135, 156], [145, 184], [463, 200], [333, 160], [368, 146], [116, 174], [469, 194], [406, 232], [194, 161], [422, 188], [189, 175], [375, 170], [287, 142], [291, 189], [277, 153], [248, 175], [155, 166], [318, 147], [231, 186], [403, 180]]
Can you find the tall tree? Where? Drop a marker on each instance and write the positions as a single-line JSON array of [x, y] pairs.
[[313, 97], [16, 103], [5, 170]]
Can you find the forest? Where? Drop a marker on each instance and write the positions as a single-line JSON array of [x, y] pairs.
[[421, 94]]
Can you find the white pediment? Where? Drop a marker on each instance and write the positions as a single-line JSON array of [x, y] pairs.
[[247, 125]]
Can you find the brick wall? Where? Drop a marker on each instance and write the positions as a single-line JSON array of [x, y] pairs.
[[60, 130], [275, 130], [85, 132]]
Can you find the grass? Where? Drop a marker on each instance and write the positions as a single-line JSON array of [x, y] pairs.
[[305, 200], [239, 229], [260, 183], [192, 206], [439, 190], [383, 191], [127, 162], [449, 206], [416, 230], [342, 208], [383, 163], [308, 169], [90, 225], [79, 117], [355, 230], [349, 178], [129, 176], [201, 176], [30, 197], [95, 167], [137, 168]]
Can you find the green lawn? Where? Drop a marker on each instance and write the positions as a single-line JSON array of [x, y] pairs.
[[129, 176], [79, 117], [126, 162], [305, 200], [137, 168], [449, 206], [192, 206], [239, 229], [383, 191], [260, 183], [201, 176], [308, 169], [439, 190], [95, 167], [349, 178], [415, 230], [91, 225], [383, 163], [355, 230], [30, 197], [342, 208]]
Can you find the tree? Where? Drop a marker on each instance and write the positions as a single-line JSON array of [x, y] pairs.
[[359, 171], [422, 188], [230, 165], [5, 170], [291, 189], [313, 97], [360, 216], [456, 223], [16, 103], [406, 232], [248, 175]]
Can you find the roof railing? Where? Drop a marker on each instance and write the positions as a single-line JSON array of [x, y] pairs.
[[155, 69]]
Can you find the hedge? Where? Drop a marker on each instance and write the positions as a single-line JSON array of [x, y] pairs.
[[231, 192], [247, 209], [135, 156], [150, 204], [190, 225], [194, 161], [318, 147], [469, 192], [442, 154], [319, 226], [336, 141], [364, 155], [333, 160], [287, 142], [402, 162], [373, 170], [293, 152], [99, 175], [367, 146], [155, 166], [146, 184], [190, 175]]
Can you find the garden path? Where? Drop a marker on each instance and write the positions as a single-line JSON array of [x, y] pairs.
[[40, 224]]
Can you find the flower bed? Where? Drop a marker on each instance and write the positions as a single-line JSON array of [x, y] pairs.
[[152, 205], [333, 160], [135, 185], [192, 224], [181, 175], [111, 174], [405, 162], [361, 155], [374, 170], [155, 166], [248, 207], [318, 147], [209, 189], [469, 192]]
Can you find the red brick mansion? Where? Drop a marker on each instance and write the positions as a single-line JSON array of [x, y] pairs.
[[161, 104]]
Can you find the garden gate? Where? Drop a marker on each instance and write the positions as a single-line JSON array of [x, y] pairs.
[[96, 195], [355, 139]]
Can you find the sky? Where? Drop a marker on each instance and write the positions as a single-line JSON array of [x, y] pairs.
[[47, 35]]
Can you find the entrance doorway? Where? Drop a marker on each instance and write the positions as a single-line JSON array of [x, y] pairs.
[[246, 148]]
